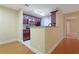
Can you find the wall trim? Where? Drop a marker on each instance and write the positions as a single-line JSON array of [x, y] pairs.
[[36, 51], [5, 42], [31, 48]]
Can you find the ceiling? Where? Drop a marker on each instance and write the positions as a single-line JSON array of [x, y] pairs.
[[13, 6], [45, 9]]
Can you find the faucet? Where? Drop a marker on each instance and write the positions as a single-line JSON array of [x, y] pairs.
[[49, 24]]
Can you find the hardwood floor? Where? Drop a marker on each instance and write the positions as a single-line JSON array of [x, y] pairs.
[[67, 46], [14, 48]]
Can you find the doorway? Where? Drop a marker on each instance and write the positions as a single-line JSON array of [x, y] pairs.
[[71, 28], [68, 35]]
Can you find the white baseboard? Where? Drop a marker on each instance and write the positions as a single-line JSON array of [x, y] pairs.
[[9, 41], [39, 52], [31, 48], [36, 51], [52, 49]]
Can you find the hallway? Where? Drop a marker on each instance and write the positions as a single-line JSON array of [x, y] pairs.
[[67, 46]]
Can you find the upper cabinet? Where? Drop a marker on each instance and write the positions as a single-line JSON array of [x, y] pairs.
[[44, 21], [31, 20], [53, 18]]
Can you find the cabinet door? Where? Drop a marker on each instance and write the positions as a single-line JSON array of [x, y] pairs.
[[53, 18], [26, 34]]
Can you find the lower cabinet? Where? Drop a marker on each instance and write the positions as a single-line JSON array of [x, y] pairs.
[[26, 34]]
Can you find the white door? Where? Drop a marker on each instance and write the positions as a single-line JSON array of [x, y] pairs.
[[68, 27]]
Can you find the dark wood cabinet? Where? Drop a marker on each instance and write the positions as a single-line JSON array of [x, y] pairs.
[[53, 18], [31, 20], [26, 34]]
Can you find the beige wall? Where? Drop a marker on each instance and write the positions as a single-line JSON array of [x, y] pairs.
[[8, 25], [74, 22], [38, 38], [45, 39], [52, 38], [54, 35]]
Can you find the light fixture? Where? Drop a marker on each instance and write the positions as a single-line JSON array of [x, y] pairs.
[[39, 12]]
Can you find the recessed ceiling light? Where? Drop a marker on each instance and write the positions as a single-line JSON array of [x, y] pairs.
[[42, 14], [39, 12]]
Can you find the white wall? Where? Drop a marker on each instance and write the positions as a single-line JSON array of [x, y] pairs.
[[20, 23], [8, 25], [45, 21]]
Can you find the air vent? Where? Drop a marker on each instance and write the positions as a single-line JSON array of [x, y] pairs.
[[27, 5]]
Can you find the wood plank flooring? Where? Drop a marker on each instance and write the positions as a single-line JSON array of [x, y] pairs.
[[67, 46], [14, 48]]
